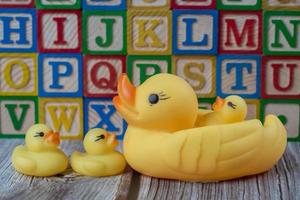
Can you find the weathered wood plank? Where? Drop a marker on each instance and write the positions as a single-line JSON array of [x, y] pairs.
[[281, 182], [66, 186]]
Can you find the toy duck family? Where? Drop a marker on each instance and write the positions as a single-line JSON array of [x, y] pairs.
[[167, 137]]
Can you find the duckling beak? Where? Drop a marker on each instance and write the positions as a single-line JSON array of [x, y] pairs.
[[52, 138], [112, 140], [219, 104]]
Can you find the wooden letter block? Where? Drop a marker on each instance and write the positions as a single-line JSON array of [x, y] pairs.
[[140, 68], [206, 103], [101, 75], [146, 4], [60, 75], [281, 4], [149, 32], [16, 3], [193, 4], [239, 4], [101, 113], [238, 74], [240, 32], [199, 72], [59, 31], [17, 114], [17, 30], [64, 115], [104, 32], [253, 109], [195, 31], [282, 32], [58, 4], [288, 111], [18, 74], [104, 4], [281, 77]]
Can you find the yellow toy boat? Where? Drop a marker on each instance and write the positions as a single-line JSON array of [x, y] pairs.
[[162, 141]]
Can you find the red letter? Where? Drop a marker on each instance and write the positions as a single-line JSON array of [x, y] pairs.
[[60, 40], [104, 83], [276, 78]]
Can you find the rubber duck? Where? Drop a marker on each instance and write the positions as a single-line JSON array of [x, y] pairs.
[[161, 140], [101, 158], [229, 110], [40, 156]]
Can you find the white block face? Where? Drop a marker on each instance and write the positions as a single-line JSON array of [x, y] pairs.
[[70, 83], [292, 114], [252, 110], [198, 72], [286, 47], [112, 122], [149, 3], [75, 120], [7, 127], [15, 37], [205, 105], [18, 74], [229, 79], [240, 21], [108, 69], [103, 3], [240, 3], [194, 3], [284, 77], [96, 28], [203, 26], [50, 31], [163, 65], [161, 31], [58, 2], [15, 2], [290, 3]]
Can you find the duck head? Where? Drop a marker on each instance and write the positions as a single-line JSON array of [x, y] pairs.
[[163, 102], [97, 141], [233, 108], [40, 137]]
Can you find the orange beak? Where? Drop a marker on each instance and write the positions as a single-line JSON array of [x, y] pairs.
[[112, 140], [219, 103], [52, 138]]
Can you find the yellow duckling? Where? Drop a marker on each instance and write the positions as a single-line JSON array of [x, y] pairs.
[[225, 111], [161, 139], [41, 155], [101, 158]]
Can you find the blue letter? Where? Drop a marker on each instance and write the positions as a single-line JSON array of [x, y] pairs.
[[56, 74], [239, 74], [189, 34], [7, 30], [105, 117]]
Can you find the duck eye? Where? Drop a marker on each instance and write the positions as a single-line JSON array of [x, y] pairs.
[[232, 105], [153, 99], [100, 137], [39, 134]]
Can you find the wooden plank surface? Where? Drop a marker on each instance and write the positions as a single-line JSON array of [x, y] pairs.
[[66, 186]]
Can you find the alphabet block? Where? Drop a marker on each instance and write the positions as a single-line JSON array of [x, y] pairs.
[[101, 113], [206, 103], [60, 75], [104, 4], [195, 31], [281, 4], [17, 115], [104, 32], [149, 32], [18, 74], [281, 77], [238, 74], [58, 4], [199, 71], [146, 4], [240, 32], [16, 3], [140, 68], [288, 111], [281, 32], [253, 111], [101, 75], [239, 4], [17, 30], [59, 31], [64, 115], [193, 4]]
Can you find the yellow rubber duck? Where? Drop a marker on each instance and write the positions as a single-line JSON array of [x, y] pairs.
[[225, 111], [101, 158], [161, 140], [40, 156]]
